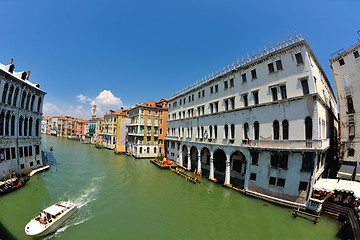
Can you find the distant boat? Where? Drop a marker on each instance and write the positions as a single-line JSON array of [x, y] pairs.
[[49, 219], [10, 186]]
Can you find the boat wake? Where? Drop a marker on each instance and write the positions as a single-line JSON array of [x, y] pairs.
[[83, 213]]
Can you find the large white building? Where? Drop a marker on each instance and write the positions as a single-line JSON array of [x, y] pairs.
[[266, 124], [20, 122], [346, 71]]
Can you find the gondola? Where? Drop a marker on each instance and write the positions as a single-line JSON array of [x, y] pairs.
[[12, 186]]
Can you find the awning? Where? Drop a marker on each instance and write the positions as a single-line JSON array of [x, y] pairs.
[[346, 172], [329, 185]]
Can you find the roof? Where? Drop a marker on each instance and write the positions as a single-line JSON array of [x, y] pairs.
[[54, 210], [328, 184]]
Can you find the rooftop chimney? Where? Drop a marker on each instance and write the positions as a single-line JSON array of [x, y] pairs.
[[12, 66], [27, 75]]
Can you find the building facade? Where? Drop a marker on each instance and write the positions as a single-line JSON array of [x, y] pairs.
[[121, 131], [20, 122], [346, 71], [264, 124], [147, 129]]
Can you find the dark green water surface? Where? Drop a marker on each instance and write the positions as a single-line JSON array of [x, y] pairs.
[[123, 198]]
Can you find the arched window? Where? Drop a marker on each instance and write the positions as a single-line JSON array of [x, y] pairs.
[[32, 103], [154, 149], [246, 130], [198, 132], [215, 131], [256, 130], [285, 126], [232, 131], [23, 98], [15, 96], [28, 101], [202, 132], [226, 131], [12, 125], [2, 121], [30, 126], [5, 90], [148, 149], [26, 127], [140, 150], [21, 123], [308, 128], [10, 94], [276, 130], [210, 132], [7, 124], [39, 104], [37, 127]]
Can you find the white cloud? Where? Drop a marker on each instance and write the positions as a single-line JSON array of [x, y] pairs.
[[105, 101], [84, 99]]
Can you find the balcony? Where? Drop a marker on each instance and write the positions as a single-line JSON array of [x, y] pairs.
[[289, 144], [169, 138], [135, 134]]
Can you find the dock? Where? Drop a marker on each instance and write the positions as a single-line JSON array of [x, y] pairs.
[[36, 171], [303, 214], [160, 164], [196, 178]]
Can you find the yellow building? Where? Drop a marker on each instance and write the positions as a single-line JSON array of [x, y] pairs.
[[122, 121]]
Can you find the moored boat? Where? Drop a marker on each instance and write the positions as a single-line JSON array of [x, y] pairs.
[[49, 219], [13, 185]]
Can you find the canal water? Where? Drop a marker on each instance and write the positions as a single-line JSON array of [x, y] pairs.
[[123, 198]]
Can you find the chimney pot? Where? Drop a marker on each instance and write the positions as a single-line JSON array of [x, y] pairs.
[[27, 75]]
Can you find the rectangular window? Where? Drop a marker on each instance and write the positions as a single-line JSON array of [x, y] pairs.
[[22, 166], [283, 92], [26, 151], [13, 153], [192, 97], [305, 86], [203, 93], [274, 93], [216, 88], [283, 163], [211, 90], [232, 103], [356, 54], [199, 94], [7, 153], [253, 74], [226, 104], [299, 59], [216, 107], [272, 181], [279, 65], [2, 154], [243, 77], [21, 152], [226, 85], [342, 62], [307, 162], [231, 82], [254, 158], [253, 176], [271, 67], [256, 97], [280, 182], [302, 186], [189, 98], [245, 100]]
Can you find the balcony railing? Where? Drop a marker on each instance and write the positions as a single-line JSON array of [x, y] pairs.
[[289, 144]]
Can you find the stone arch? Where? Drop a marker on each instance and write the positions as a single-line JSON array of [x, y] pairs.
[[238, 169], [4, 93], [194, 157], [184, 155], [10, 95], [219, 165], [16, 94], [205, 161]]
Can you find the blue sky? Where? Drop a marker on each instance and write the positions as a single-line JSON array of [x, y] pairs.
[[120, 53]]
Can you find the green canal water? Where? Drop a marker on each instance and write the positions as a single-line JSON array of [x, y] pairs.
[[123, 198]]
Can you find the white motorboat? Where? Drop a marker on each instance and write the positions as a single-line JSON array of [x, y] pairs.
[[49, 219]]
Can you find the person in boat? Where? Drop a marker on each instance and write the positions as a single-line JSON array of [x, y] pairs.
[[42, 217]]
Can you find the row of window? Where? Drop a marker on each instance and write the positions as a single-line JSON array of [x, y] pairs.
[[10, 153], [10, 97], [280, 182], [25, 126], [230, 83], [229, 103], [356, 56], [213, 131]]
